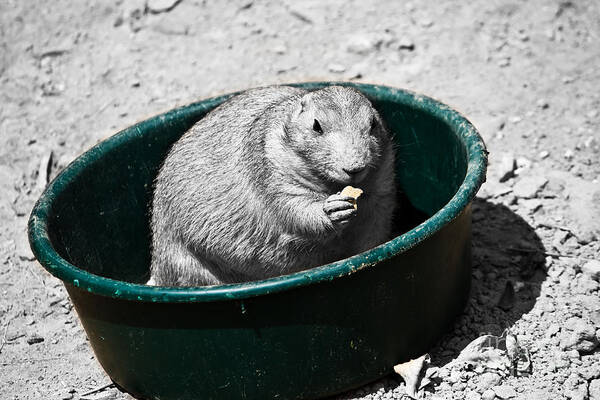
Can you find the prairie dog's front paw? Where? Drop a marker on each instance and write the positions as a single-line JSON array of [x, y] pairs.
[[340, 209]]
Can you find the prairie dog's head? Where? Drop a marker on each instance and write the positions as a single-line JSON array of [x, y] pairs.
[[337, 133]]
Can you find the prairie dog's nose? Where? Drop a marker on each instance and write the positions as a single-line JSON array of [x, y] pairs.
[[353, 171]]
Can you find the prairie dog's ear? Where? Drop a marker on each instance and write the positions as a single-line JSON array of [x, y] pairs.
[[301, 106], [305, 101]]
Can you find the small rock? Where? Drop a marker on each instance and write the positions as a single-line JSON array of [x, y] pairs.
[[581, 336], [569, 154], [488, 395], [507, 300], [531, 205], [302, 12], [160, 6], [594, 389], [470, 395], [34, 339], [594, 316], [406, 43], [336, 68], [592, 269], [504, 391], [362, 43], [507, 167], [45, 170], [118, 21], [560, 237], [426, 22], [111, 394], [578, 393], [529, 186], [516, 119], [584, 235], [573, 354], [543, 104], [51, 88], [561, 360], [523, 162], [543, 154], [591, 372], [590, 142], [280, 49], [487, 380]]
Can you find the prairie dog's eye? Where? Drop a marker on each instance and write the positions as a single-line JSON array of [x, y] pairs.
[[373, 125], [317, 127]]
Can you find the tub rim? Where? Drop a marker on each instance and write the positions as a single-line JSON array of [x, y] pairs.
[[59, 267]]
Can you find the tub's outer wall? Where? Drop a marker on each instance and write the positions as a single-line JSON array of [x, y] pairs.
[[308, 342]]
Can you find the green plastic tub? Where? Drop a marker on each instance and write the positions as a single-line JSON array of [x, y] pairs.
[[305, 335]]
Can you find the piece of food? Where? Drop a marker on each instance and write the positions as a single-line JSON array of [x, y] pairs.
[[352, 192]]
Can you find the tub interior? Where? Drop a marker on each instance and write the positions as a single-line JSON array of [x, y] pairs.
[[99, 222]]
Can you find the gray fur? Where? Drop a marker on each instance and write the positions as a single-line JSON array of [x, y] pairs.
[[251, 190]]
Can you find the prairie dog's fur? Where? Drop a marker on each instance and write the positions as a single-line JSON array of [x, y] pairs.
[[250, 191]]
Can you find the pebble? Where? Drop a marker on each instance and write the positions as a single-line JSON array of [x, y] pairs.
[[578, 393], [543, 154], [507, 167], [531, 205], [529, 186], [595, 317], [584, 235], [104, 395], [569, 154], [470, 395], [573, 355], [581, 336], [592, 269], [160, 6], [591, 372], [516, 119], [280, 49], [362, 44], [426, 22], [507, 300], [594, 390], [543, 104], [504, 391], [590, 142], [561, 360], [523, 162], [34, 339], [487, 380], [406, 43], [504, 62], [336, 68], [552, 330], [44, 170], [488, 395]]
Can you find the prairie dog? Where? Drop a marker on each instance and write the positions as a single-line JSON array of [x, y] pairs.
[[251, 191]]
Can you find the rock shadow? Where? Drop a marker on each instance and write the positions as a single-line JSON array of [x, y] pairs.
[[508, 271]]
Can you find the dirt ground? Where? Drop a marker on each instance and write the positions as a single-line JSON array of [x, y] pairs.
[[526, 74]]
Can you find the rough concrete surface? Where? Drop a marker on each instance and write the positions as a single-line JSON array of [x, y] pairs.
[[525, 73]]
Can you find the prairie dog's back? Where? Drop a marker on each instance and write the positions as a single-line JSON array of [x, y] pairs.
[[207, 171]]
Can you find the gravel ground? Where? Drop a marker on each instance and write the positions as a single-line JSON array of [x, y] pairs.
[[525, 73]]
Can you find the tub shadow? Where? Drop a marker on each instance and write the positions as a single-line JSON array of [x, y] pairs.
[[506, 253]]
